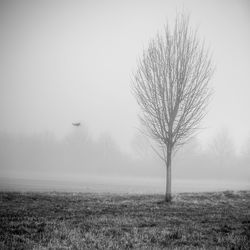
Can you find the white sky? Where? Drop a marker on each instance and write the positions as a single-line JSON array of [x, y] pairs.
[[66, 61]]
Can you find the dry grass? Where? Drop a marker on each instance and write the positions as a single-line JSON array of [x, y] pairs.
[[92, 221]]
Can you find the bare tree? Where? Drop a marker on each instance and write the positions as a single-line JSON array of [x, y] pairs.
[[222, 147], [171, 86]]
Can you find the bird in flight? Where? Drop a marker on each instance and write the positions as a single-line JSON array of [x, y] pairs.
[[77, 124]]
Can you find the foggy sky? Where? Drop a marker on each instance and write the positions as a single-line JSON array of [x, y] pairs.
[[67, 61]]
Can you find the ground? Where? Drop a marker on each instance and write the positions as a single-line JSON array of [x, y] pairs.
[[101, 221]]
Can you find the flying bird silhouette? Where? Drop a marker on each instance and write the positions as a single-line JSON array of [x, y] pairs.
[[76, 124]]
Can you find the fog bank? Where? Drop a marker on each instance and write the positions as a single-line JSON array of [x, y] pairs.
[[80, 163]]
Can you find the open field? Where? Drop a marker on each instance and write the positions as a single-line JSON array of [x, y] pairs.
[[101, 221], [117, 184]]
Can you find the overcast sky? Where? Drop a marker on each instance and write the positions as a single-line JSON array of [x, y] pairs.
[[68, 61]]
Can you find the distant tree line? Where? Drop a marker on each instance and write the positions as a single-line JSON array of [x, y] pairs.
[[78, 154]]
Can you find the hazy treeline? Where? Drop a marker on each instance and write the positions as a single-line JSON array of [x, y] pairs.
[[78, 154], [216, 160], [44, 156]]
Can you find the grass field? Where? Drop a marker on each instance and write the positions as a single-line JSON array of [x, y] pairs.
[[101, 221]]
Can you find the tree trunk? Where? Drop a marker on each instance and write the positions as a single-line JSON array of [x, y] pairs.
[[168, 176]]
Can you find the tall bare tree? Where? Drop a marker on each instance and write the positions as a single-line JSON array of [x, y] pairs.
[[171, 86]]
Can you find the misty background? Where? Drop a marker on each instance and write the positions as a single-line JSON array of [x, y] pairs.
[[72, 61]]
